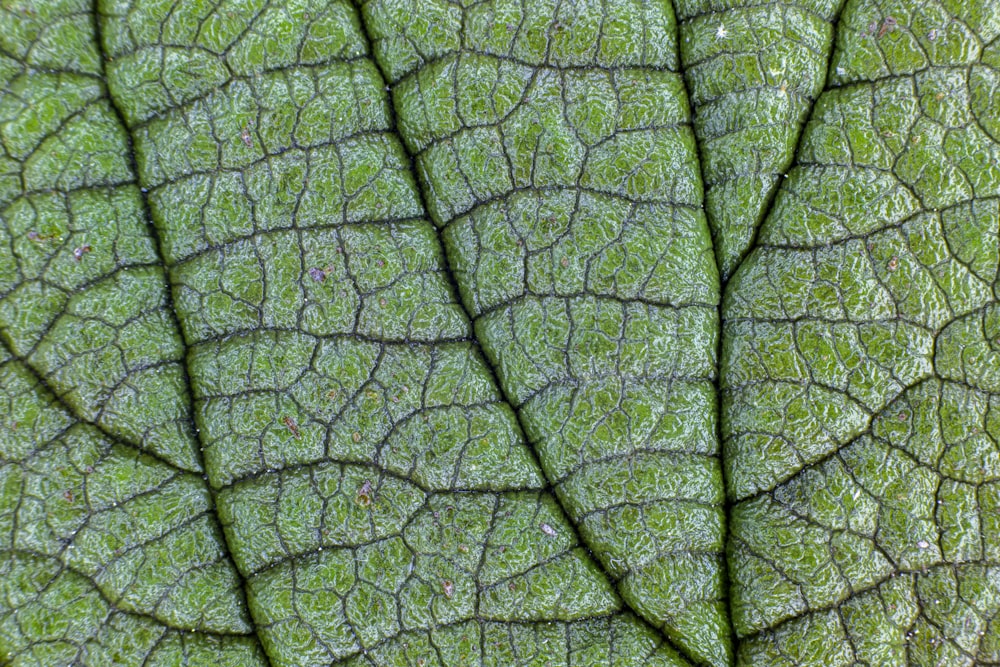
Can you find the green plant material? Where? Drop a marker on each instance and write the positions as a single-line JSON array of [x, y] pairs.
[[860, 362], [754, 71], [562, 173], [388, 333]]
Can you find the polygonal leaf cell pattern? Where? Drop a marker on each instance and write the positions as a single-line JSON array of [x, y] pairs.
[[593, 332], [860, 360]]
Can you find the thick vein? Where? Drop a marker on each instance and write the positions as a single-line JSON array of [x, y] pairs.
[[154, 235], [453, 284]]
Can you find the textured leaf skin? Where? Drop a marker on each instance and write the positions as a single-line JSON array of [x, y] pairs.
[[562, 172], [386, 333], [375, 489], [754, 70], [111, 550], [859, 364]]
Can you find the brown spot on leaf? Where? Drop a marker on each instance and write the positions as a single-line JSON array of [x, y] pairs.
[[292, 426]]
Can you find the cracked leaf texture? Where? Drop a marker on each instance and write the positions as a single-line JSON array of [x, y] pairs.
[[499, 333]]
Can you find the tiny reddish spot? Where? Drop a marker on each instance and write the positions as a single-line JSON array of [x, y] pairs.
[[449, 588], [78, 253], [894, 263], [68, 495], [292, 426]]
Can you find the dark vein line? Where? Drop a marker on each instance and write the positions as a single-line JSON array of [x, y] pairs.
[[727, 505], [767, 207], [491, 369], [112, 602], [154, 236], [108, 435], [769, 200]]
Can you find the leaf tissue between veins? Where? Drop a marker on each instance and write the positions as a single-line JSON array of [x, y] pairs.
[[500, 333]]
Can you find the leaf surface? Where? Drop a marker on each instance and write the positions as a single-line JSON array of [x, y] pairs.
[[389, 333], [859, 363]]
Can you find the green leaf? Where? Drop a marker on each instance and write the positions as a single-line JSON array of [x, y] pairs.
[[391, 333], [859, 362]]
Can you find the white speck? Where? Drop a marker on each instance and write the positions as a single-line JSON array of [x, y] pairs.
[[548, 530], [841, 71], [721, 32], [923, 544]]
